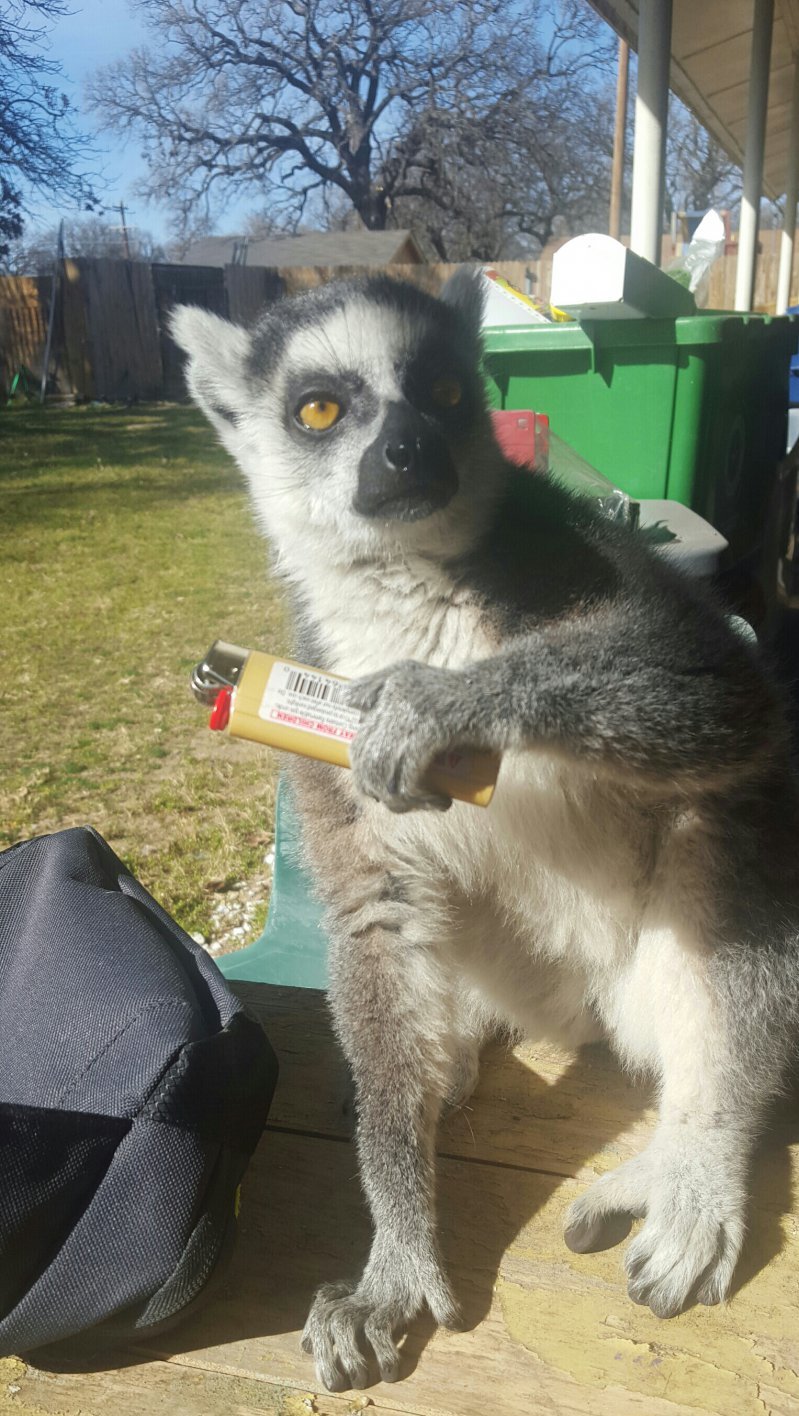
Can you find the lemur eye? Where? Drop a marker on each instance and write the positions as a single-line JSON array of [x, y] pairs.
[[318, 414], [447, 393]]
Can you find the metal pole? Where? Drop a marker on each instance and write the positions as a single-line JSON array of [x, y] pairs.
[[57, 264], [124, 230], [791, 196], [651, 116], [619, 139], [762, 25]]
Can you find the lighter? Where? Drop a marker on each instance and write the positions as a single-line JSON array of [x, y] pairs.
[[300, 709]]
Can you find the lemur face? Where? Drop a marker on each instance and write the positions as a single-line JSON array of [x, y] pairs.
[[357, 409], [390, 407]]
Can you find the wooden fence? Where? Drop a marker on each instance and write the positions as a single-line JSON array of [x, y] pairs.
[[110, 336], [23, 324]]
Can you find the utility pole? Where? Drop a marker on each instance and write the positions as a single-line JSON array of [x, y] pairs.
[[124, 230], [619, 142]]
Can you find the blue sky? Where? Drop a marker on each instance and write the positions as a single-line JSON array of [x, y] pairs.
[[96, 32], [93, 34]]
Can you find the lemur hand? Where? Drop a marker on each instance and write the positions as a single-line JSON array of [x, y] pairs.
[[411, 713]]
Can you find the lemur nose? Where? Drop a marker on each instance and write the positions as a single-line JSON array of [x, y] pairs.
[[401, 455]]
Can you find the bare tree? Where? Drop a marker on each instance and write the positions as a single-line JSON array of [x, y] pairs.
[[306, 102], [91, 236], [11, 224], [505, 179], [40, 149], [699, 173]]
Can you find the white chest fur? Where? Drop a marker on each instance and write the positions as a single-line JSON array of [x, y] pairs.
[[370, 617], [563, 856]]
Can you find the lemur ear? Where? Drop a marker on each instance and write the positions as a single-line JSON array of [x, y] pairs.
[[217, 350], [465, 292]]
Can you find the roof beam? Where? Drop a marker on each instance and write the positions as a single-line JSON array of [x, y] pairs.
[[718, 25]]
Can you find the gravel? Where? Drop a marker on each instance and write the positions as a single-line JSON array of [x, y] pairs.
[[233, 914]]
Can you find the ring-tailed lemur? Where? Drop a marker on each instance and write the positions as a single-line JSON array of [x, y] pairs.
[[635, 877]]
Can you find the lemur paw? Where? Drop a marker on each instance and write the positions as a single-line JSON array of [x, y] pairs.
[[411, 714], [693, 1230], [345, 1318]]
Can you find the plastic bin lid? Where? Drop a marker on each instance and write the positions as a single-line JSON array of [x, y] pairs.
[[681, 535], [710, 327]]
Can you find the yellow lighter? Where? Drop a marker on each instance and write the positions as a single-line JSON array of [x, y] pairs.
[[300, 709]]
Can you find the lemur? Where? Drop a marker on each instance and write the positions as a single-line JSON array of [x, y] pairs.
[[635, 876]]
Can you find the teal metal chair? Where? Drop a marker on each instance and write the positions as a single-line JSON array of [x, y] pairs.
[[292, 949]]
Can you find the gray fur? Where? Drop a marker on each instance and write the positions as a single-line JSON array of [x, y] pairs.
[[635, 877]]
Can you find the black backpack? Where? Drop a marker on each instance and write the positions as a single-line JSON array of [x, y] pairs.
[[133, 1090]]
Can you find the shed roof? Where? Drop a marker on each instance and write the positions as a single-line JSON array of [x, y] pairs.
[[711, 46], [315, 248]]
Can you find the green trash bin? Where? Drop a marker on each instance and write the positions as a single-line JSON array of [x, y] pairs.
[[693, 409]]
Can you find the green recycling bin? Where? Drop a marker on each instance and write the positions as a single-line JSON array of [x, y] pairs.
[[693, 409]]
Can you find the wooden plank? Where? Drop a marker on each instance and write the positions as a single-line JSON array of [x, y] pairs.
[[546, 1330], [76, 348], [123, 329], [183, 285], [155, 1388], [24, 304], [249, 290], [537, 1108]]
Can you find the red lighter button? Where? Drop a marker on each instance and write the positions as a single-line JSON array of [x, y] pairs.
[[220, 713]]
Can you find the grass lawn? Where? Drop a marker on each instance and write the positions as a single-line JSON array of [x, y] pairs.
[[127, 546]]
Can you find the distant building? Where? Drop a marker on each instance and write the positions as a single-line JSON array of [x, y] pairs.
[[315, 248]]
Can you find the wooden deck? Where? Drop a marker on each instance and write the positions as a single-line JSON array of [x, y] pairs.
[[547, 1331]]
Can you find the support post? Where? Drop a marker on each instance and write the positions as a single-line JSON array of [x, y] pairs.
[[762, 26], [651, 116], [791, 196], [619, 142]]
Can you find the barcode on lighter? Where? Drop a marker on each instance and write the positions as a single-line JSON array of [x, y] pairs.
[[308, 702], [313, 686]]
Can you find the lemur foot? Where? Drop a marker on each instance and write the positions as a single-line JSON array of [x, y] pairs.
[[688, 1245], [345, 1319]]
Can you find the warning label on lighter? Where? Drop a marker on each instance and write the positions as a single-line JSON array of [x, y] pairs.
[[309, 702]]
